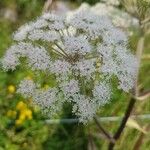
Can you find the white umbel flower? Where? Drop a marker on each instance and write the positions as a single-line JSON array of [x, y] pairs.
[[37, 57], [85, 109], [27, 88], [74, 45], [102, 93], [49, 100], [70, 88], [86, 68], [22, 32], [81, 52], [48, 36]]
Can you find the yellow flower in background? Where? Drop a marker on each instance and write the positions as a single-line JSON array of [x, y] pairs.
[[22, 116], [11, 113], [21, 106], [18, 122], [25, 114], [28, 114], [11, 89], [22, 111]]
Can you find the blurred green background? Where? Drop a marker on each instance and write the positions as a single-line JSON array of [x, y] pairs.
[[22, 126]]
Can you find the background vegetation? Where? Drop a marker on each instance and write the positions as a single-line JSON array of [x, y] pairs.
[[23, 127]]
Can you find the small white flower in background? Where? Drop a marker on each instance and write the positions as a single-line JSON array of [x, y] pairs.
[[83, 51], [119, 17]]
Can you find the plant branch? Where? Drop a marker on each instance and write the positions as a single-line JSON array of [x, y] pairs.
[[105, 133], [61, 49], [124, 121]]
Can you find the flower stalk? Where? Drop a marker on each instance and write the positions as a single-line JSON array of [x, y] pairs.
[[130, 107]]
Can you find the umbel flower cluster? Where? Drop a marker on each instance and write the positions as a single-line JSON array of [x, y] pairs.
[[85, 52]]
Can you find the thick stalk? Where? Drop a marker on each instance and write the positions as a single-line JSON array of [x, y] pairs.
[[123, 122], [139, 51]]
